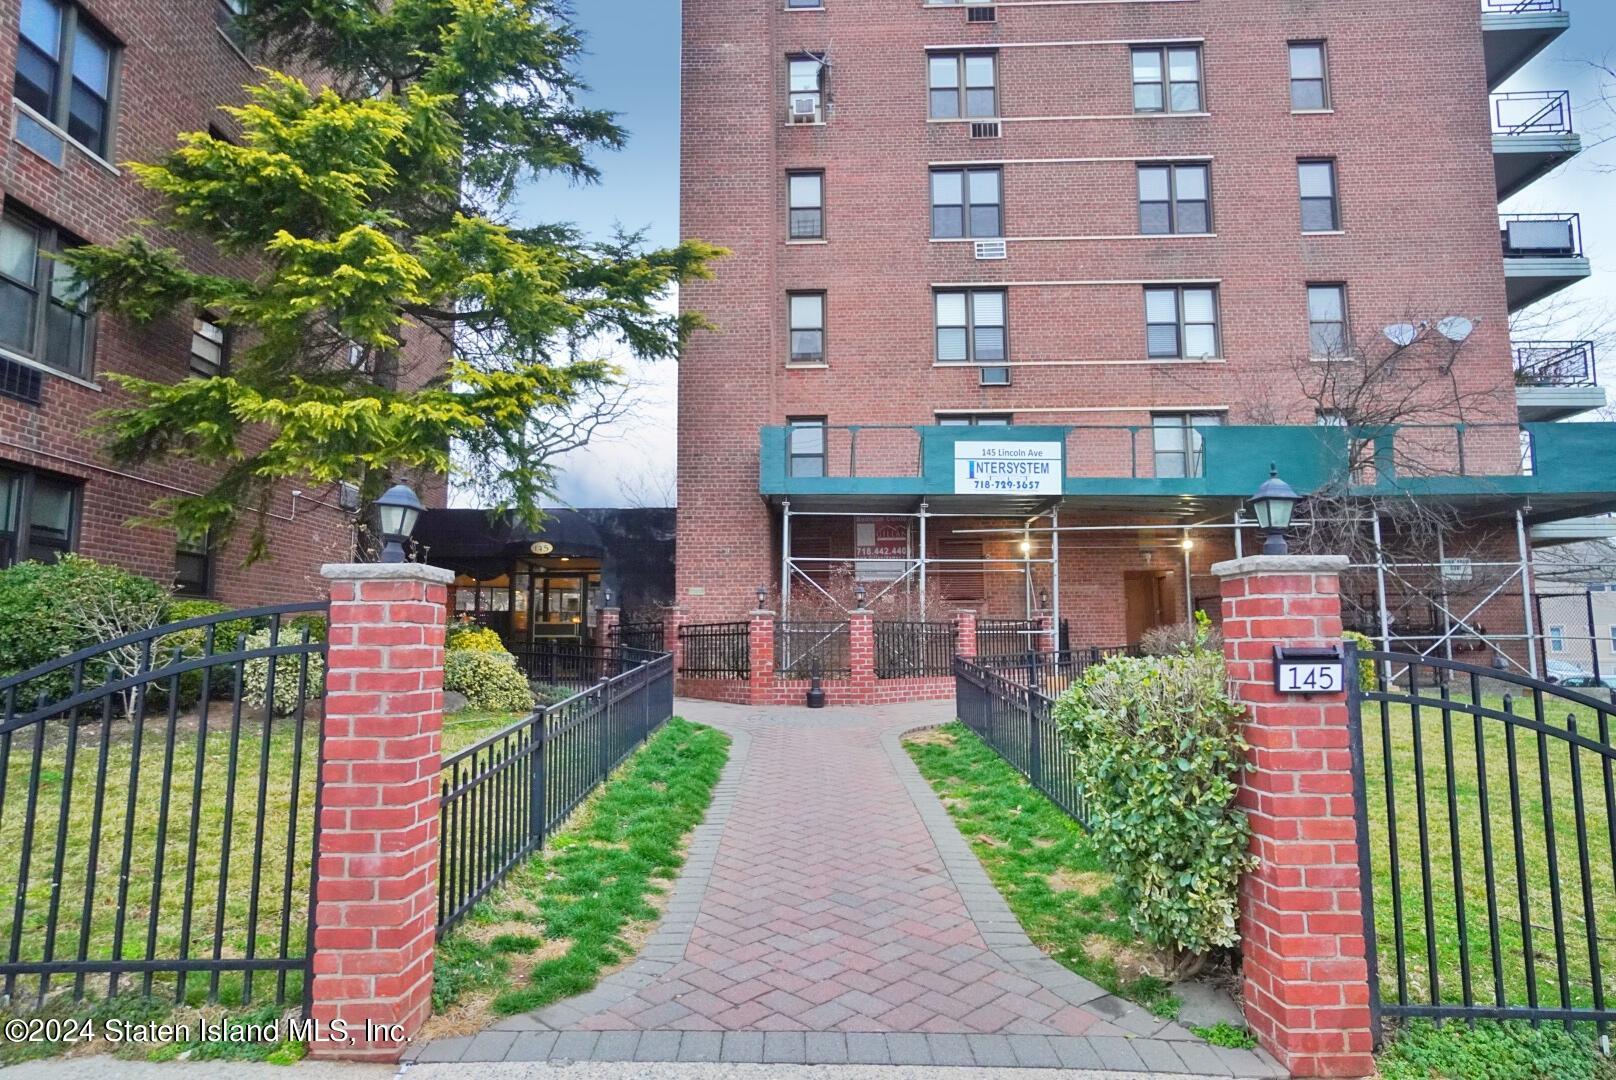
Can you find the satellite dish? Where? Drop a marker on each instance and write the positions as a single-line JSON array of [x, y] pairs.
[[1401, 334], [1456, 328]]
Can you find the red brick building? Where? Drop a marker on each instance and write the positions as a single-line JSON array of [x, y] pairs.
[[1019, 291], [96, 84]]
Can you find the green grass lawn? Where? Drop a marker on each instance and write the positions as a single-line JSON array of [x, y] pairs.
[[1476, 828], [1043, 863], [579, 907]]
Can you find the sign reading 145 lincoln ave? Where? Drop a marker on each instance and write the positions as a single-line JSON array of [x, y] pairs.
[[1008, 468]]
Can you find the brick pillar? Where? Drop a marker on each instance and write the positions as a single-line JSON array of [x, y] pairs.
[[760, 645], [965, 634], [606, 623], [1046, 633], [376, 901], [861, 653], [1302, 928], [673, 618]]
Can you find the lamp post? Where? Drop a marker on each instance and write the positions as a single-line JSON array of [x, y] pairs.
[[762, 597], [398, 508], [859, 595], [1272, 506]]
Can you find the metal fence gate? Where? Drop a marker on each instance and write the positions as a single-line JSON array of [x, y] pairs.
[[1486, 820]]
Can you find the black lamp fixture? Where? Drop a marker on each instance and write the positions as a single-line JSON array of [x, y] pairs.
[[1043, 599], [399, 509], [762, 596], [1272, 506], [858, 595]]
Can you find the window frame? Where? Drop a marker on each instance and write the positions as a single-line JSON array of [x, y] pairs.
[[793, 425], [50, 238], [1173, 201], [17, 540], [971, 358], [1181, 324], [1165, 82], [71, 19], [818, 93], [1192, 451], [987, 419], [1323, 79], [792, 209], [1345, 322], [224, 343], [966, 206], [1557, 638], [961, 87], [1334, 197], [203, 553], [792, 329]]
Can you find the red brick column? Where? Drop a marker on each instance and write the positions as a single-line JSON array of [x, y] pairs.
[[673, 619], [1302, 930], [760, 644], [861, 653], [1046, 633], [376, 901], [965, 634], [606, 623]]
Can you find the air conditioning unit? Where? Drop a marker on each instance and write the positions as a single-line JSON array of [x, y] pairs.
[[984, 129], [982, 13], [805, 110], [992, 249], [348, 496], [995, 376]]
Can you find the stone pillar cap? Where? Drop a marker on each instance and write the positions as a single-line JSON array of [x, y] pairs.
[[1281, 564], [380, 571]]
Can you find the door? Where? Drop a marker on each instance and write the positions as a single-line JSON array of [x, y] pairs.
[[1142, 594]]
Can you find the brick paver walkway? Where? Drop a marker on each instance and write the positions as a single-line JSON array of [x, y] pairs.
[[829, 911]]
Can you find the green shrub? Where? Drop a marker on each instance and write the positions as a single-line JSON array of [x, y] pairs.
[[1366, 668], [1158, 753], [311, 621], [49, 611], [1511, 1050], [547, 694], [288, 674], [469, 635], [490, 681]]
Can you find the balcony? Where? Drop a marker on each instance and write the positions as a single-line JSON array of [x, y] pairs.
[[1531, 137], [1542, 255], [1559, 469], [1514, 31], [1555, 380]]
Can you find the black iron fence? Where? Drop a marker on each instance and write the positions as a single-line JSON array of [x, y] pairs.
[[913, 650], [1015, 720], [803, 649], [1486, 818], [1527, 236], [504, 795], [1555, 363], [574, 665], [715, 650], [639, 635], [1517, 7], [159, 801], [1006, 637], [1051, 673], [1532, 112]]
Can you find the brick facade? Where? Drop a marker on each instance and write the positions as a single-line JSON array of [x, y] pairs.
[[376, 901], [1419, 235], [1306, 988], [174, 70]]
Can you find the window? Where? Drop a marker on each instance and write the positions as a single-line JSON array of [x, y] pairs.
[[1309, 89], [1181, 322], [38, 516], [1557, 639], [1167, 79], [193, 566], [1317, 182], [966, 202], [1330, 418], [1613, 637], [210, 348], [227, 14], [804, 4], [806, 198], [807, 320], [1177, 439], [806, 445], [43, 315], [971, 326], [974, 420], [1174, 199], [963, 85], [64, 74], [1327, 320], [806, 89]]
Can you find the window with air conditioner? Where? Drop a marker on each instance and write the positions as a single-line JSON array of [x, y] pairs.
[[805, 90]]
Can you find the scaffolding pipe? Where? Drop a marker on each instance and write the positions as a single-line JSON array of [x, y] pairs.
[[923, 562], [1526, 590], [1380, 593], [1054, 573], [785, 560], [1189, 590], [1442, 577], [1026, 562]]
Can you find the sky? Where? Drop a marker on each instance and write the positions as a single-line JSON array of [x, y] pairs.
[[632, 67]]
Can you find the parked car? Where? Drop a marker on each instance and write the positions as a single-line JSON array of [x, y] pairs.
[[1584, 680], [1566, 673]]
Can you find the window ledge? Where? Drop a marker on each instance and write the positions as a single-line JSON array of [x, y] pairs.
[[1311, 112], [1069, 239], [799, 366], [1324, 232], [48, 370], [816, 123], [972, 365], [95, 158], [805, 243], [1334, 359]]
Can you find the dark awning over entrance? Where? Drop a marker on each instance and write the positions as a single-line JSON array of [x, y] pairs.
[[474, 543]]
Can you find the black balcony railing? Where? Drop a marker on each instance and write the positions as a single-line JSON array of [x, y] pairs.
[[1555, 363], [1532, 112], [1540, 236], [1520, 7]]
